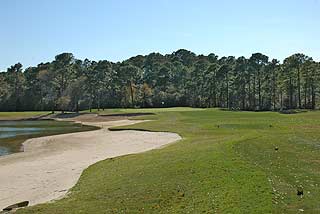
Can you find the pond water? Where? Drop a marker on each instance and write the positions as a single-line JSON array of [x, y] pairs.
[[14, 133]]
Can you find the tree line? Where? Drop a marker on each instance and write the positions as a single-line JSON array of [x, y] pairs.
[[155, 80]]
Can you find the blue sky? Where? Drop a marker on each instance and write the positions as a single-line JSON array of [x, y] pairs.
[[34, 31]]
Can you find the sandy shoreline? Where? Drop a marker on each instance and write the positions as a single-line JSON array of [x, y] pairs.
[[50, 166]]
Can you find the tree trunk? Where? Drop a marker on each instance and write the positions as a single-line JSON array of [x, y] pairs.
[[254, 93], [259, 92], [215, 100], [249, 92], [131, 91], [77, 106], [305, 95], [228, 101], [243, 95], [281, 100], [299, 89], [274, 87], [99, 97], [90, 105], [313, 96], [290, 93]]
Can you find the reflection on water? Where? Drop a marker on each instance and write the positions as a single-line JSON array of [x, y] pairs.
[[4, 151], [6, 132], [13, 133]]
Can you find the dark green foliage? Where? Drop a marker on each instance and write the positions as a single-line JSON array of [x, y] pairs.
[[178, 79]]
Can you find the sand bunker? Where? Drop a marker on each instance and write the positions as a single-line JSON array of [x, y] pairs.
[[51, 165]]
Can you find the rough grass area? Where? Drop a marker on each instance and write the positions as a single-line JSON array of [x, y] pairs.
[[228, 162]]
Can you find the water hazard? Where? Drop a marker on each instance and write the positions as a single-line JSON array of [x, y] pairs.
[[14, 133]]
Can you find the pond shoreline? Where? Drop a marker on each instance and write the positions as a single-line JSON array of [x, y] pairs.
[[16, 143], [14, 132], [51, 165]]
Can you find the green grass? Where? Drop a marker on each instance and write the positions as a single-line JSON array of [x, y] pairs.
[[142, 110], [226, 163], [21, 115]]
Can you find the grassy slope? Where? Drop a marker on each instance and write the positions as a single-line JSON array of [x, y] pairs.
[[225, 164], [20, 115]]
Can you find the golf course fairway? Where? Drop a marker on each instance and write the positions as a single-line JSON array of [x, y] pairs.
[[227, 162]]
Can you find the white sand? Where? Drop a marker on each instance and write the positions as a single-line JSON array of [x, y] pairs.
[[50, 166]]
